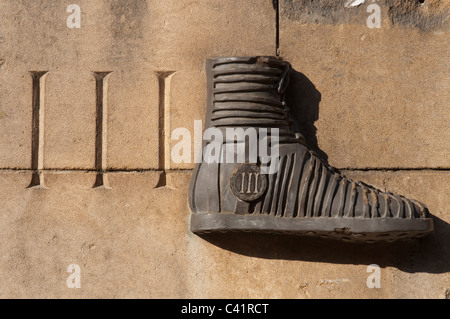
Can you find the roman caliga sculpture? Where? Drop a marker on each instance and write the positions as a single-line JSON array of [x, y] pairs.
[[303, 195]]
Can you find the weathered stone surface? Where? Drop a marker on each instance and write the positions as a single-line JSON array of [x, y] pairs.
[[379, 96], [36, 38], [132, 39], [130, 243], [199, 30], [383, 103], [426, 15]]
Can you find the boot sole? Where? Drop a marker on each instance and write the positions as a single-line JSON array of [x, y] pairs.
[[346, 229]]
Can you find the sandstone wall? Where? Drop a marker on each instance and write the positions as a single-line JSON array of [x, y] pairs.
[[373, 101]]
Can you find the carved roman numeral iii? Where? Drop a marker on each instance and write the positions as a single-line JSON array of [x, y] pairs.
[[247, 178]]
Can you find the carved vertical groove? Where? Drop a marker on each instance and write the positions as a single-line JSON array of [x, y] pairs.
[[331, 192], [164, 81], [101, 126], [37, 128]]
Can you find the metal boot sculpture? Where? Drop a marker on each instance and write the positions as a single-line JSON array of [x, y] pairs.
[[303, 195]]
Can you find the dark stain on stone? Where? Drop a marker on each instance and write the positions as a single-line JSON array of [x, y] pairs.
[[129, 17], [426, 15], [129, 20], [319, 11]]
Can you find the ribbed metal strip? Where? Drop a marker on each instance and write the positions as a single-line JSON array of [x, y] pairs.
[[251, 122], [366, 202], [400, 207], [421, 207], [375, 203], [247, 70], [247, 114], [313, 189], [269, 194], [342, 195], [285, 185], [305, 184], [247, 106], [248, 60], [229, 89], [246, 78], [387, 208], [350, 202], [330, 194], [278, 185], [238, 98], [294, 184], [409, 211], [320, 194]]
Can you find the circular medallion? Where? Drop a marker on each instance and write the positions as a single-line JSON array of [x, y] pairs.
[[247, 183]]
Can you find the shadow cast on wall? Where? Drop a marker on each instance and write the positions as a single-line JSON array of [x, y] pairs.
[[303, 95], [430, 254]]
